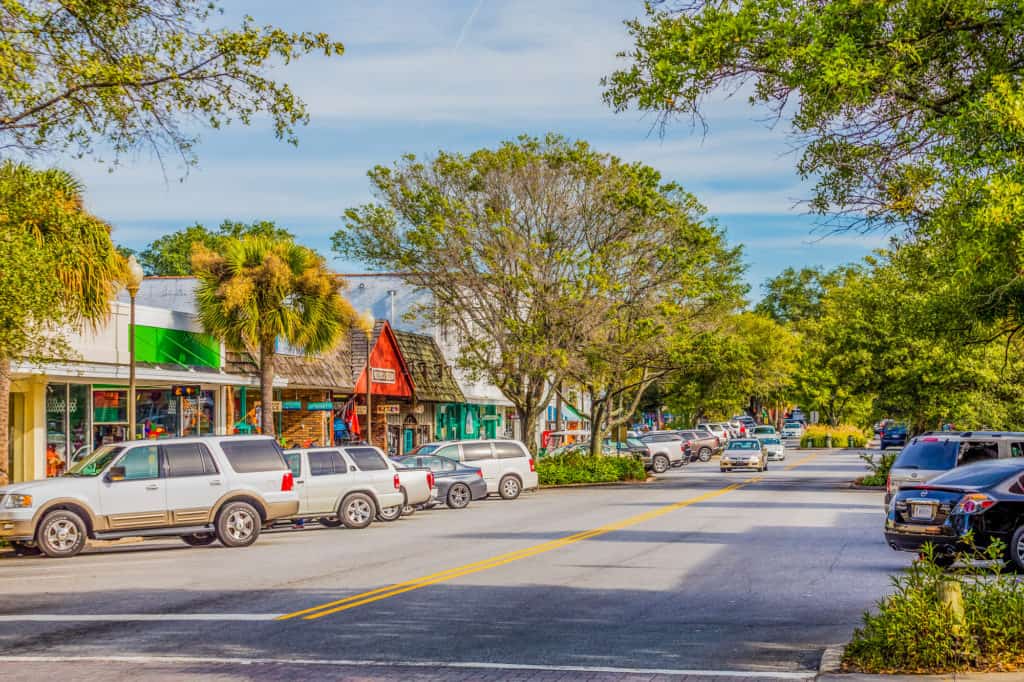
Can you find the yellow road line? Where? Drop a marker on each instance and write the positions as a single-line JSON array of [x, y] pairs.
[[363, 598]]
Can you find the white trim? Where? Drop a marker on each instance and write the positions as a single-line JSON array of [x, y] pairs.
[[86, 371]]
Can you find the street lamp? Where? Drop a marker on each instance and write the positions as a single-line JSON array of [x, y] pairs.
[[132, 283]]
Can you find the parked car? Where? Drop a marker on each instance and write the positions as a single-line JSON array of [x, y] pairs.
[[200, 489], [507, 465], [893, 435], [717, 430], [335, 490], [985, 500], [457, 484], [744, 453], [701, 445], [668, 449], [930, 454], [774, 449], [764, 431], [792, 430]]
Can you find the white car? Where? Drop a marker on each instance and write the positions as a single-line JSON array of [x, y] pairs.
[[507, 465], [346, 486], [201, 489], [792, 430], [718, 430], [774, 448]]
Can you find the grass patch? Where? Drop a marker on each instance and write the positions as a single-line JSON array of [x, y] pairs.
[[577, 467], [916, 630]]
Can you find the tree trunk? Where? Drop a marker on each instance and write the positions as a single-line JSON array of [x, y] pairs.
[[528, 418], [5, 418], [267, 388], [597, 415]]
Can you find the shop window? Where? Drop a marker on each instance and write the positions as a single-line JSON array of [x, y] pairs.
[[56, 428], [156, 413], [109, 407], [197, 414]]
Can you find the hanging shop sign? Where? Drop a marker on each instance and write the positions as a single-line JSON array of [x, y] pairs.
[[361, 409], [291, 405], [276, 405], [389, 408], [382, 375], [319, 405]]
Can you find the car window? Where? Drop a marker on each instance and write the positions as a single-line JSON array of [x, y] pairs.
[[771, 441], [507, 451], [764, 429], [928, 454], [449, 451], [326, 463], [252, 456], [141, 463], [188, 459], [980, 476], [473, 452], [367, 459], [425, 449], [294, 460], [977, 452], [1016, 449], [95, 463]]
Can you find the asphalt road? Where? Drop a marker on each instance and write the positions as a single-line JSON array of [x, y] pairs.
[[700, 575]]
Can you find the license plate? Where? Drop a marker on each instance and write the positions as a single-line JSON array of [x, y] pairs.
[[925, 512]]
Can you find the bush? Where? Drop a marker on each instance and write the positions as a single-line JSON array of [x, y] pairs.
[[878, 467], [578, 467], [914, 631], [815, 436]]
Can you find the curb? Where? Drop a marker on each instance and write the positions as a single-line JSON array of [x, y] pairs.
[[857, 486], [606, 484], [831, 660]]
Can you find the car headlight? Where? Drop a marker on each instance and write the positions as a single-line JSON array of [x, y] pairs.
[[12, 501]]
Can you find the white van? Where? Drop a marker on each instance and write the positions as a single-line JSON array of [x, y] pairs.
[[507, 465], [339, 487]]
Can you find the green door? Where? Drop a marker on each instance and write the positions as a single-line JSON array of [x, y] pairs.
[[410, 436]]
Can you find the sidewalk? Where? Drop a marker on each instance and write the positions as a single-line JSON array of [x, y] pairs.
[[858, 677]]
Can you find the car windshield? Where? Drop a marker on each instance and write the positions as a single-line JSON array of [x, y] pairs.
[[744, 445], [94, 464], [978, 475], [424, 449], [771, 441], [929, 454], [789, 424], [765, 429]]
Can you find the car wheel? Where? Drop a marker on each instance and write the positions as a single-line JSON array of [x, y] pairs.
[[199, 539], [61, 534], [704, 454], [357, 511], [510, 487], [390, 513], [659, 465], [1016, 549], [25, 549], [329, 521], [238, 524], [458, 496]]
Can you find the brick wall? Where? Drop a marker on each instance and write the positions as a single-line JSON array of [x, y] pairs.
[[300, 427]]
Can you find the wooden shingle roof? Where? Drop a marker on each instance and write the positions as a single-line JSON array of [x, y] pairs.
[[431, 375], [330, 370]]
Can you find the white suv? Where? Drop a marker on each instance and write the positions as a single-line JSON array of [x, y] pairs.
[[201, 489], [507, 465]]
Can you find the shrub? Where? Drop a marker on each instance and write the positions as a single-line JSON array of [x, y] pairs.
[[914, 631], [815, 436], [578, 467], [878, 467]]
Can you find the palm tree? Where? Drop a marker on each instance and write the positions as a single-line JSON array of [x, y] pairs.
[[257, 291], [59, 268]]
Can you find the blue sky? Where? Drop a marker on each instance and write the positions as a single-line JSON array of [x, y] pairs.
[[420, 76]]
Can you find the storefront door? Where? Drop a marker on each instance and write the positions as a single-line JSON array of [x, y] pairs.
[[410, 439]]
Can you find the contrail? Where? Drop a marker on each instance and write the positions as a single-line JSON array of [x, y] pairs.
[[465, 26]]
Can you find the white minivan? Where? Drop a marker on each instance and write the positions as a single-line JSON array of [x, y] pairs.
[[342, 487], [507, 465]]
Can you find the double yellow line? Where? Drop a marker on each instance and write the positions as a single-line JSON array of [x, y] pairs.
[[364, 598]]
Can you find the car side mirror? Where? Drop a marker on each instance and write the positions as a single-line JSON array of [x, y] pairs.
[[115, 474], [352, 469]]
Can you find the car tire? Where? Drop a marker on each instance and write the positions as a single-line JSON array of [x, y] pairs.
[[659, 465], [238, 524], [199, 539], [1015, 550], [330, 521], [389, 514], [25, 549], [458, 496], [61, 535], [704, 454], [509, 487], [357, 511]]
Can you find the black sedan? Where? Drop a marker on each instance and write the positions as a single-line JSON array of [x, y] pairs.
[[456, 483], [985, 499]]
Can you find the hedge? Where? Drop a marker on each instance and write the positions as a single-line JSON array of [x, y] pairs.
[[815, 436], [578, 467]]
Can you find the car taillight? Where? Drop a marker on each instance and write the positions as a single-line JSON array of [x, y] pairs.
[[533, 466], [973, 503], [398, 482], [430, 479], [480, 472], [287, 482]]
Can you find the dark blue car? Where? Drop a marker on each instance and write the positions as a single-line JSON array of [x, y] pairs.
[[457, 484], [893, 435]]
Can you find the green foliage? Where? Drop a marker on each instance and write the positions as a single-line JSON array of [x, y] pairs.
[[914, 631], [171, 254], [796, 295], [878, 468], [139, 73], [817, 436], [579, 467]]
